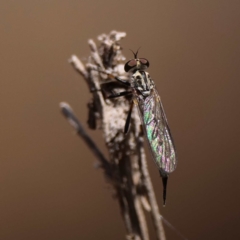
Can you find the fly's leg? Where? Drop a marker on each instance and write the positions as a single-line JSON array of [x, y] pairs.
[[130, 110], [116, 95], [127, 124], [125, 82]]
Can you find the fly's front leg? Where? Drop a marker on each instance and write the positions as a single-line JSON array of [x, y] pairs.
[[125, 82]]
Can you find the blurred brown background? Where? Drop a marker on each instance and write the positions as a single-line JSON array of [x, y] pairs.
[[48, 186]]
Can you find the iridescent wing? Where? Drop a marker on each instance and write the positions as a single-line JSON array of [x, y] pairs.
[[157, 131]]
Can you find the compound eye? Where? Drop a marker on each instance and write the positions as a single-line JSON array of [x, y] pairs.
[[144, 61], [130, 64]]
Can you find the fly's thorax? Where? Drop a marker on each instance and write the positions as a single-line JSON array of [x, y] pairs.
[[142, 83]]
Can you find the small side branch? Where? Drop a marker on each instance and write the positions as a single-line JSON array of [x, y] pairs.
[[75, 123]]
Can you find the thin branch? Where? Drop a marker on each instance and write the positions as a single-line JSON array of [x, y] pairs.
[[152, 198], [127, 162], [77, 64]]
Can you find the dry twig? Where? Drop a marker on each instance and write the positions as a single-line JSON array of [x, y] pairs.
[[127, 166]]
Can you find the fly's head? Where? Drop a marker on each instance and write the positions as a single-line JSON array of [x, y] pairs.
[[136, 64], [141, 80]]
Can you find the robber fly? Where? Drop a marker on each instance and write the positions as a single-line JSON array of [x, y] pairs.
[[153, 118]]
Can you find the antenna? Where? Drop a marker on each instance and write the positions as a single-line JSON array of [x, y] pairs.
[[135, 54]]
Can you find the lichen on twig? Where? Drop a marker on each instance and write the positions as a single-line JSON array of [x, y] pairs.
[[126, 166]]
